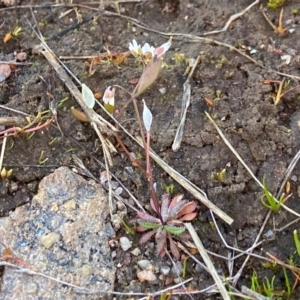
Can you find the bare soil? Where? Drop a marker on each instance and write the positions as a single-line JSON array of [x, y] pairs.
[[266, 136]]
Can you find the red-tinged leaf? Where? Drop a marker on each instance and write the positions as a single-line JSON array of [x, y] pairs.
[[175, 200], [164, 206], [147, 236], [146, 217], [162, 253], [188, 217], [173, 247], [185, 236], [161, 242], [153, 206], [187, 208], [176, 209], [141, 229], [169, 279]]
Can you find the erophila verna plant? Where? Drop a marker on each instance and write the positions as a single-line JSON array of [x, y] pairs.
[[169, 215], [169, 221]]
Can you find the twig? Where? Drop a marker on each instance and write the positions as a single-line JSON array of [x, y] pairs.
[[186, 100], [207, 261], [244, 164], [254, 294], [195, 38], [3, 151], [232, 18]]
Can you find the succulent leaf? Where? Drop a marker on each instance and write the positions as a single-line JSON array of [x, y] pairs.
[[164, 206], [161, 242], [146, 217], [148, 225], [173, 212], [173, 247], [187, 208], [188, 217], [174, 229], [175, 200], [147, 236], [153, 207]]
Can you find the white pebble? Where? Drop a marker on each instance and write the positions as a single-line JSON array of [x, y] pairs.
[[125, 243], [136, 252], [146, 275]]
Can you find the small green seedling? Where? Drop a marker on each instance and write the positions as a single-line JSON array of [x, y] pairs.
[[131, 230], [269, 287], [288, 286], [296, 241], [42, 160], [218, 176], [255, 286], [184, 266], [272, 203], [169, 189], [4, 174], [274, 4]]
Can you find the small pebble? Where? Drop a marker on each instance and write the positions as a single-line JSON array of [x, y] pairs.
[[85, 271], [113, 254], [109, 230], [199, 268], [5, 71], [118, 191], [125, 243], [146, 275], [144, 264], [294, 178], [177, 269], [269, 235], [163, 90], [177, 280], [49, 239], [136, 252], [21, 56], [165, 270]]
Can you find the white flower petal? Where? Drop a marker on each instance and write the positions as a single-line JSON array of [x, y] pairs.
[[160, 51], [109, 96]]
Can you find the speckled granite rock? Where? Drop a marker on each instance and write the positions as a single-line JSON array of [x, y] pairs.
[[61, 234]]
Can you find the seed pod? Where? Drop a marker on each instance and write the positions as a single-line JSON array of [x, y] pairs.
[[149, 75], [79, 115]]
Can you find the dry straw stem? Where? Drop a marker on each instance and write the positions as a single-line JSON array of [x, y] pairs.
[[243, 163], [207, 261], [195, 38], [191, 188], [96, 120], [186, 100], [3, 151], [253, 294], [233, 18], [82, 290], [288, 172]]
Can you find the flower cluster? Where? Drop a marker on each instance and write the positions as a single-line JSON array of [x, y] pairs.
[[148, 51]]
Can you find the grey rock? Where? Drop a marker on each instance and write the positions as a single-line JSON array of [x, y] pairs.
[[60, 234]]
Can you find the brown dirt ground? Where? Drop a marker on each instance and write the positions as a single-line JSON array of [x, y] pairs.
[[266, 136]]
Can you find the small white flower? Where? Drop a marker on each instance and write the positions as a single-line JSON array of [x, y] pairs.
[[109, 96], [160, 51], [148, 49], [134, 48]]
